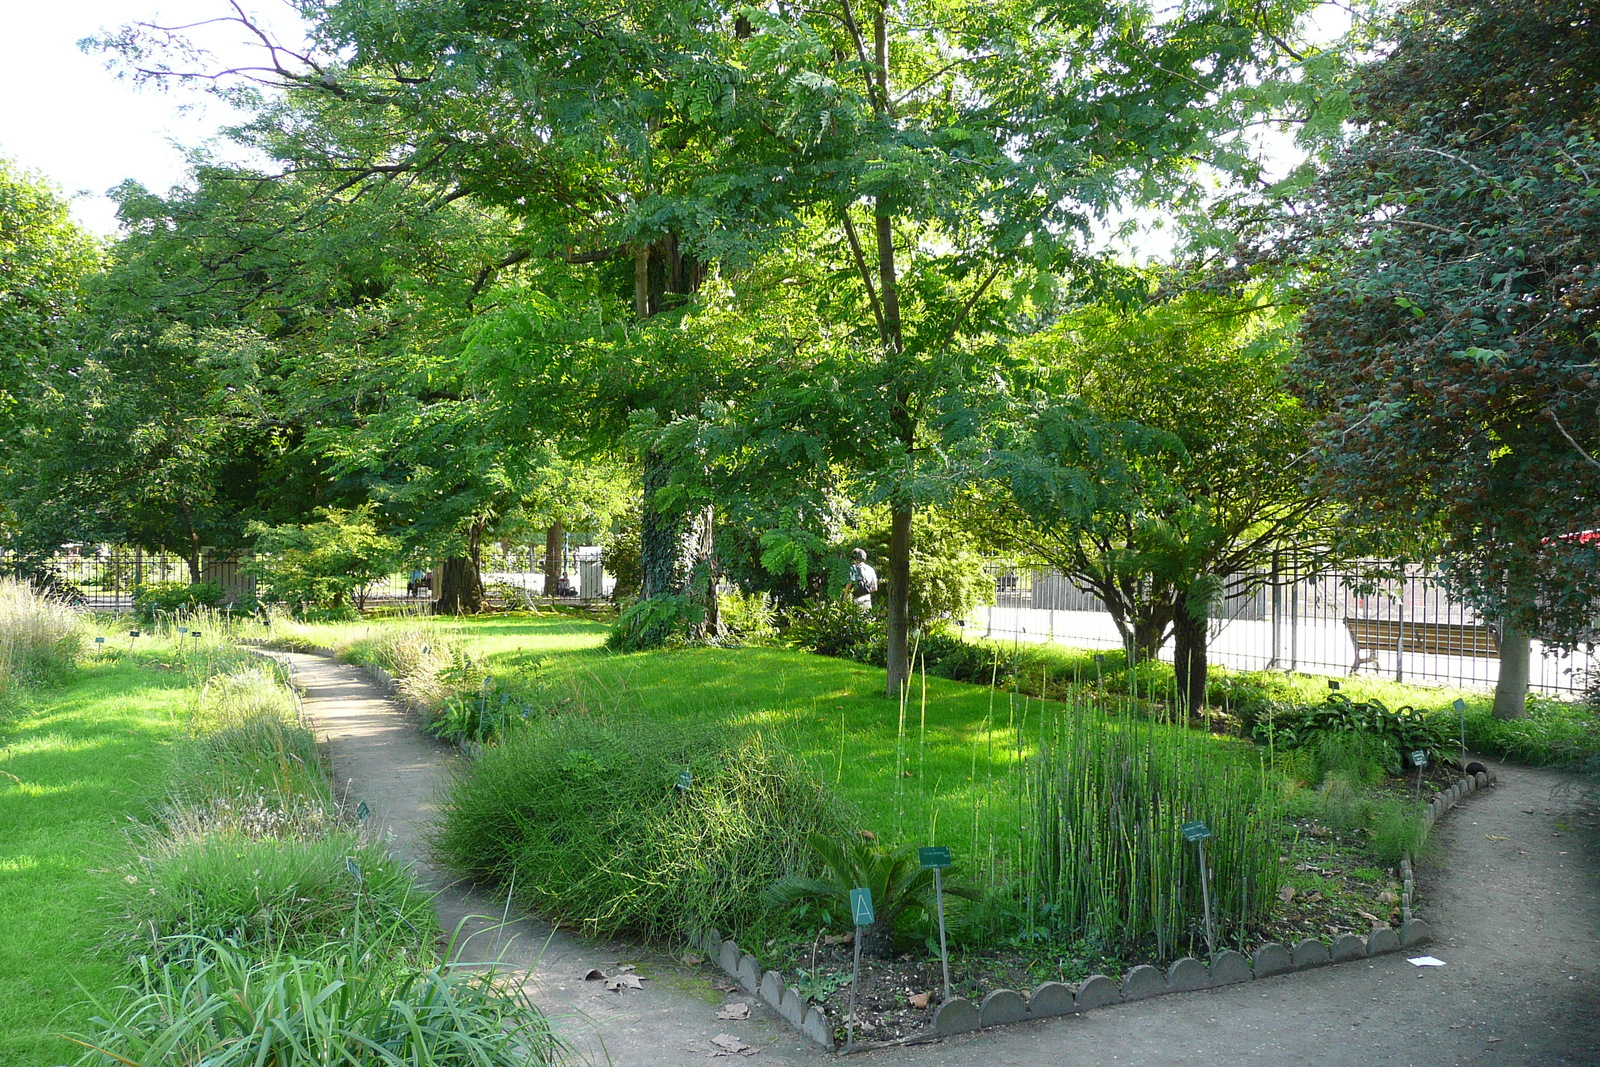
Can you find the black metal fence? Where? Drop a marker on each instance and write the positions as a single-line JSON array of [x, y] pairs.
[[107, 578], [1330, 622]]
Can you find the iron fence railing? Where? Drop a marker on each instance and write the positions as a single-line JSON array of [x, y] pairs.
[[106, 579], [1329, 622]]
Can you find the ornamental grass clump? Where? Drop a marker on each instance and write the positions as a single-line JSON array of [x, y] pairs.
[[592, 824], [40, 636], [1111, 864], [223, 1007]]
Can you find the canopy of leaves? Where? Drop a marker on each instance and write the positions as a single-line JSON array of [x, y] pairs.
[[1449, 345], [1162, 465]]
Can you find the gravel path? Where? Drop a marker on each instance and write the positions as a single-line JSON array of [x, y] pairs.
[[1513, 896]]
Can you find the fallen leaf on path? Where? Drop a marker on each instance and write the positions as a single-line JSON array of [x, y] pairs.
[[617, 983], [734, 1011], [1371, 918], [1313, 898], [920, 1000], [838, 939], [1388, 897], [726, 986], [728, 1045], [693, 959], [594, 975], [1286, 894], [1494, 837]]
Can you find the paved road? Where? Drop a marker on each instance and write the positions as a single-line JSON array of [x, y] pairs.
[[1514, 897]]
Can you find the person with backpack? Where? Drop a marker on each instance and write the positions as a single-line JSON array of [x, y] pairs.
[[863, 579]]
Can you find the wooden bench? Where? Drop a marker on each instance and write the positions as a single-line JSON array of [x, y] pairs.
[[1371, 636]]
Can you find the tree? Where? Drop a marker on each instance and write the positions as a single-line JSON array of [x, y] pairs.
[[1449, 342], [44, 260], [325, 562], [1161, 467]]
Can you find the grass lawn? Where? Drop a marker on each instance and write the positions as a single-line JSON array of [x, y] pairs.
[[75, 765], [947, 768]]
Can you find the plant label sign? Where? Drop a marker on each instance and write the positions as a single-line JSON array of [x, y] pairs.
[[1459, 704], [861, 906], [1419, 759], [363, 812], [1195, 831], [685, 779], [934, 857]]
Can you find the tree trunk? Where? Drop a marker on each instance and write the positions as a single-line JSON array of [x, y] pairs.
[[1511, 690], [1189, 658], [461, 580], [899, 599], [553, 538]]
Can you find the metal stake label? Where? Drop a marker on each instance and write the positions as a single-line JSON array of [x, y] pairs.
[[861, 907], [934, 857], [1195, 831]]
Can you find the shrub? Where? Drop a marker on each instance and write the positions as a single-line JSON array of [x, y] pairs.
[[153, 600], [839, 627], [267, 894], [1553, 733], [322, 564], [1402, 731], [40, 637], [949, 655], [656, 622], [586, 823], [748, 618], [229, 1010]]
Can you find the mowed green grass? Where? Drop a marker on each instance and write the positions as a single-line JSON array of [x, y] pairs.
[[75, 766], [947, 768]]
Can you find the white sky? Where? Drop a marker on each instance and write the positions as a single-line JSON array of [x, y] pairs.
[[66, 116]]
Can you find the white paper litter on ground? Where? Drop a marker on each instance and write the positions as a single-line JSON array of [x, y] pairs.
[[1425, 961]]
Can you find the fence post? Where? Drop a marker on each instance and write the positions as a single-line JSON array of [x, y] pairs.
[[1400, 638], [1277, 611]]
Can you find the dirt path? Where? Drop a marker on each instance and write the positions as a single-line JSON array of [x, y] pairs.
[[1514, 898]]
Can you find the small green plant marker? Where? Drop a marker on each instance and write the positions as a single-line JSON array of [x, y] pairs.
[[353, 867], [1333, 685], [1419, 760], [1198, 833], [861, 915], [937, 857], [685, 780], [363, 813]]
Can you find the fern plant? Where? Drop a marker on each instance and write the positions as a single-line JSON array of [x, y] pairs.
[[899, 885]]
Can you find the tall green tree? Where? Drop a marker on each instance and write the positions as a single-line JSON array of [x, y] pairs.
[[1162, 467], [45, 259], [1449, 344]]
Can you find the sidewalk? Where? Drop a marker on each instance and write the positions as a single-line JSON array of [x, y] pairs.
[[1514, 899]]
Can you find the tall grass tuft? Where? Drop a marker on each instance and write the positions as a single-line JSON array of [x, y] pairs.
[[1111, 865], [227, 1009], [40, 637], [588, 825]]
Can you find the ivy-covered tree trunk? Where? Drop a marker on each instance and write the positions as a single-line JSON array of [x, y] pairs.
[[675, 549], [461, 579]]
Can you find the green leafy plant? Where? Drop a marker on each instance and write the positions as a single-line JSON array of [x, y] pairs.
[[838, 627], [323, 564], [900, 887], [1403, 730], [180, 599], [655, 622]]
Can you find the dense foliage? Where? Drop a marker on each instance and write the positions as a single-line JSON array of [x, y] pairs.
[[1449, 344]]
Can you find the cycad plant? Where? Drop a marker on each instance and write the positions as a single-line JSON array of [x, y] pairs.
[[898, 883]]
